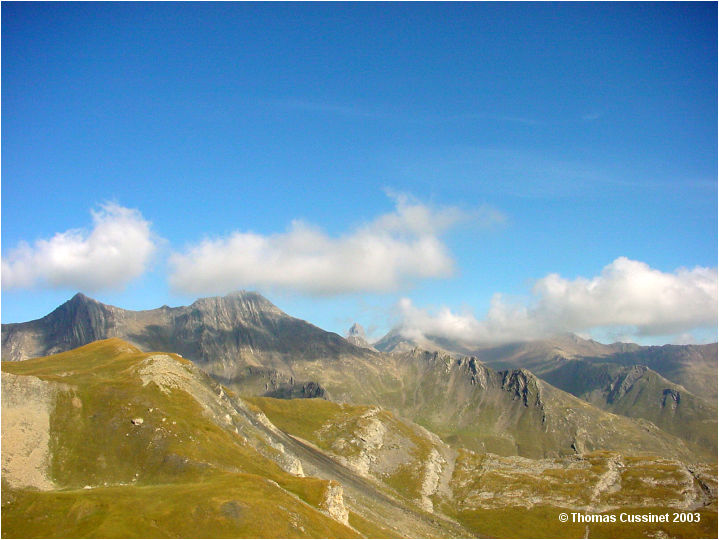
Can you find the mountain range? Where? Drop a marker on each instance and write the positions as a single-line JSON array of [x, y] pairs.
[[407, 434]]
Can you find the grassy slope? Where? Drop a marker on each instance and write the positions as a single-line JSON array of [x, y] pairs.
[[190, 477], [224, 506], [520, 510], [543, 522], [187, 460]]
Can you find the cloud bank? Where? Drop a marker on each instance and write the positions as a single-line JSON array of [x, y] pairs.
[[627, 295], [394, 249], [116, 251]]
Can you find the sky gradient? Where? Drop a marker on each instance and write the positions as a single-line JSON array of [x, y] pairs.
[[475, 170]]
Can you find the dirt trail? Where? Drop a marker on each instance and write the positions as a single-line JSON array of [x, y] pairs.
[[363, 497]]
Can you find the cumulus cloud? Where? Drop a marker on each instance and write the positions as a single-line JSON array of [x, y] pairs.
[[627, 295], [116, 251], [380, 256]]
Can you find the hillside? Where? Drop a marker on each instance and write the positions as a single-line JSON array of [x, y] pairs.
[[640, 392], [692, 366], [93, 434], [512, 412], [491, 495], [97, 434]]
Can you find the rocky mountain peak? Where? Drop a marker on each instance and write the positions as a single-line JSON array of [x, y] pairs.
[[394, 341], [245, 304], [80, 298], [79, 301], [356, 330], [356, 336], [78, 305]]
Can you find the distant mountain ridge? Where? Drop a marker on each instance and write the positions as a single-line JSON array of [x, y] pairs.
[[229, 337], [489, 402], [245, 315], [639, 392], [691, 366]]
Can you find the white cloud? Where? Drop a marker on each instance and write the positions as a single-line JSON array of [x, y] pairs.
[[381, 256], [116, 251], [626, 295]]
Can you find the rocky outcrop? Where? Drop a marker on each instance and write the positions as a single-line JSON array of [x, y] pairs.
[[333, 503], [619, 388], [433, 467], [609, 482], [27, 403], [356, 336], [524, 386], [671, 398], [366, 440]]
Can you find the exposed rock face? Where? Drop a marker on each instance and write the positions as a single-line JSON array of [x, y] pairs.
[[226, 327], [77, 322], [368, 438], [671, 398], [618, 389], [638, 391], [522, 385], [334, 503], [270, 382], [26, 406], [430, 480]]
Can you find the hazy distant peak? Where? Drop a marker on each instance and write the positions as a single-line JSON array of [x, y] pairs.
[[356, 336], [393, 341], [356, 330]]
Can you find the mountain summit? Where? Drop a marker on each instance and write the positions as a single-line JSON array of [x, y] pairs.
[[230, 331], [356, 335]]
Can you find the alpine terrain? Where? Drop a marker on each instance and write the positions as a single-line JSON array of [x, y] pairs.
[[230, 418]]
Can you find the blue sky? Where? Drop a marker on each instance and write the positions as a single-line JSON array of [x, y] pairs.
[[430, 156]]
